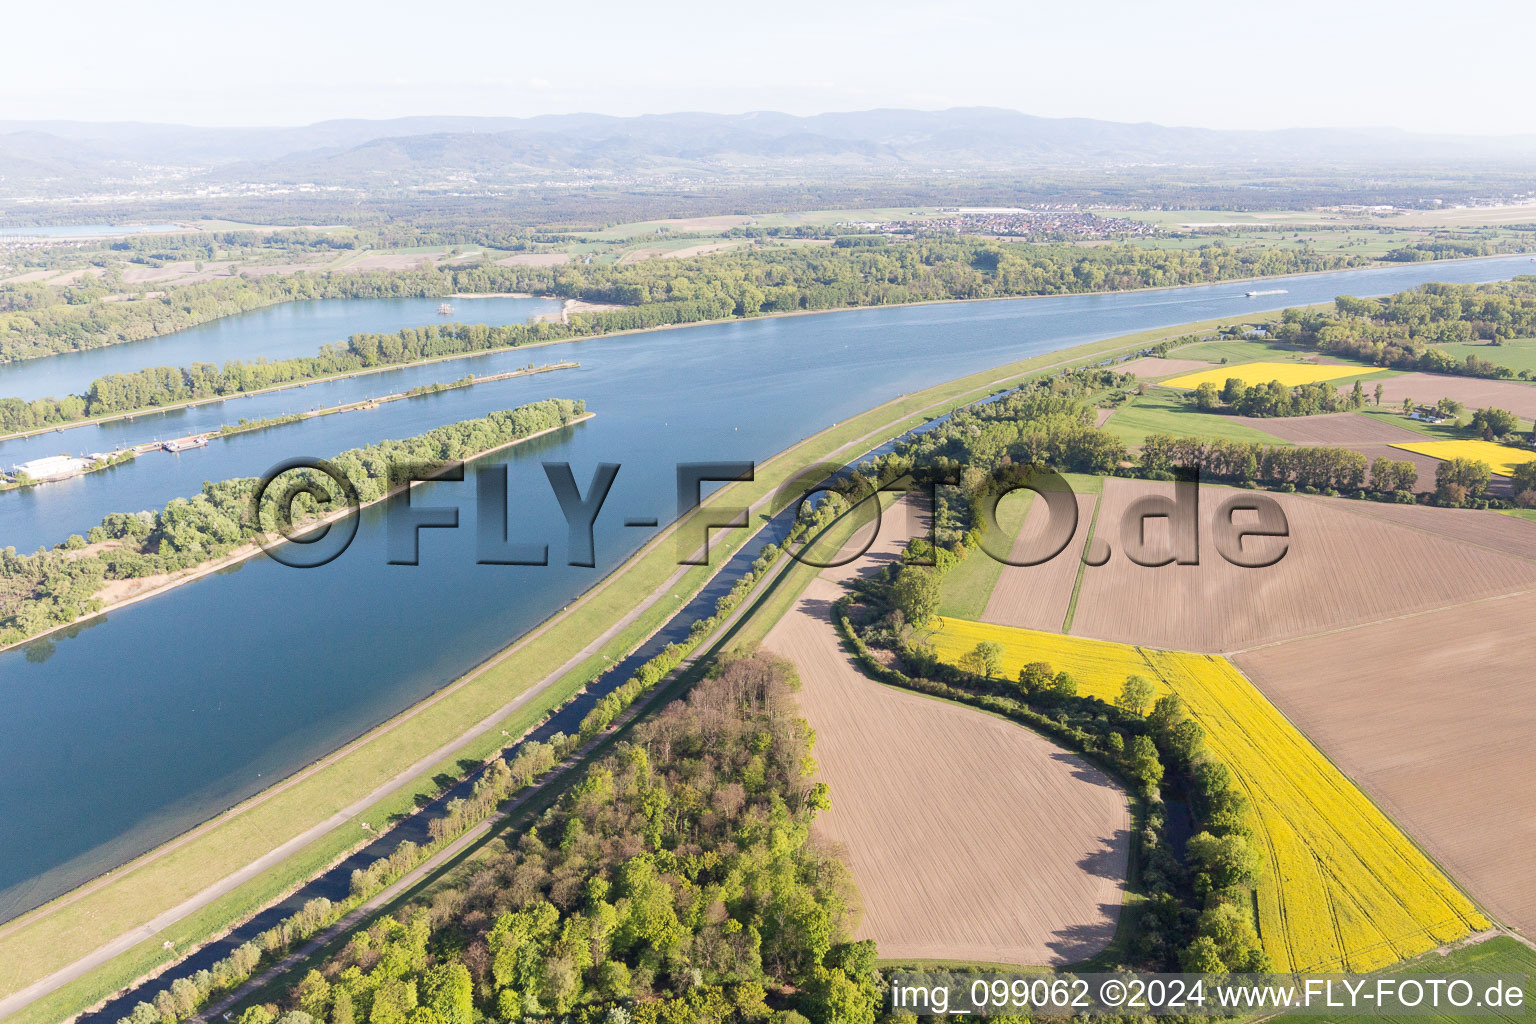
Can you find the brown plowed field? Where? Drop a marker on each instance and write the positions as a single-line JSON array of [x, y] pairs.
[[1339, 428], [1036, 596], [1470, 526], [971, 838], [1151, 367], [1432, 715], [1473, 392], [1343, 567]]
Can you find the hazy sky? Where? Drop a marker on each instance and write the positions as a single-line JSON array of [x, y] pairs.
[[1455, 67]]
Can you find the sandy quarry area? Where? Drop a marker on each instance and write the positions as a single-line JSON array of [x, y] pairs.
[[970, 838], [1431, 715], [1347, 564]]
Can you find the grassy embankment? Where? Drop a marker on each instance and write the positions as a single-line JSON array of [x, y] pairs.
[[56, 935]]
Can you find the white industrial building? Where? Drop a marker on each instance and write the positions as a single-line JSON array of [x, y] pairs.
[[54, 467]]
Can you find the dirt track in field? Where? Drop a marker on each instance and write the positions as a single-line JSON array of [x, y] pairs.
[[1432, 716], [1347, 563], [970, 838], [1152, 367], [1037, 596], [1473, 392]]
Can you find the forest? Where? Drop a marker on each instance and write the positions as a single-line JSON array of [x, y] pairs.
[[53, 587], [1402, 331], [39, 319], [677, 881]]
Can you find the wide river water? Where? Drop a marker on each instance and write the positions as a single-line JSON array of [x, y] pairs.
[[137, 725]]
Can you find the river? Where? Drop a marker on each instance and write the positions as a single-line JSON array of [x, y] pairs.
[[142, 723], [277, 332]]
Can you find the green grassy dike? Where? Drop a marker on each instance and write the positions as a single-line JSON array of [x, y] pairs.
[[56, 935]]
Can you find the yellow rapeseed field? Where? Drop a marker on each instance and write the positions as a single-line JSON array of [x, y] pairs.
[[1502, 459], [1343, 888], [1253, 374]]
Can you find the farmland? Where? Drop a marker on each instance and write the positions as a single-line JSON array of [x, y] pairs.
[[1498, 955], [1472, 392], [1026, 869], [1342, 888], [1155, 368], [1502, 459], [1254, 374], [967, 586], [1164, 412], [1517, 355], [1036, 596], [1343, 566], [1430, 715], [1341, 428]]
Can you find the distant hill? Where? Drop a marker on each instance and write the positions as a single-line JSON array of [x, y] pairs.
[[764, 144]]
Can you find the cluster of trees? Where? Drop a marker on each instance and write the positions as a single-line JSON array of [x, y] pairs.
[[1403, 330], [781, 280], [1460, 480], [1523, 484], [1494, 424], [1275, 399], [1036, 425], [50, 588], [187, 994], [676, 882], [1451, 249], [1196, 917], [616, 701]]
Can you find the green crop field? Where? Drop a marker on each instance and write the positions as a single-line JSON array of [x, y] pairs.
[[1165, 412], [1517, 355], [1500, 955], [968, 586]]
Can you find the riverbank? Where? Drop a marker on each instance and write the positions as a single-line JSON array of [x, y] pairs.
[[458, 722], [582, 306], [120, 594]]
